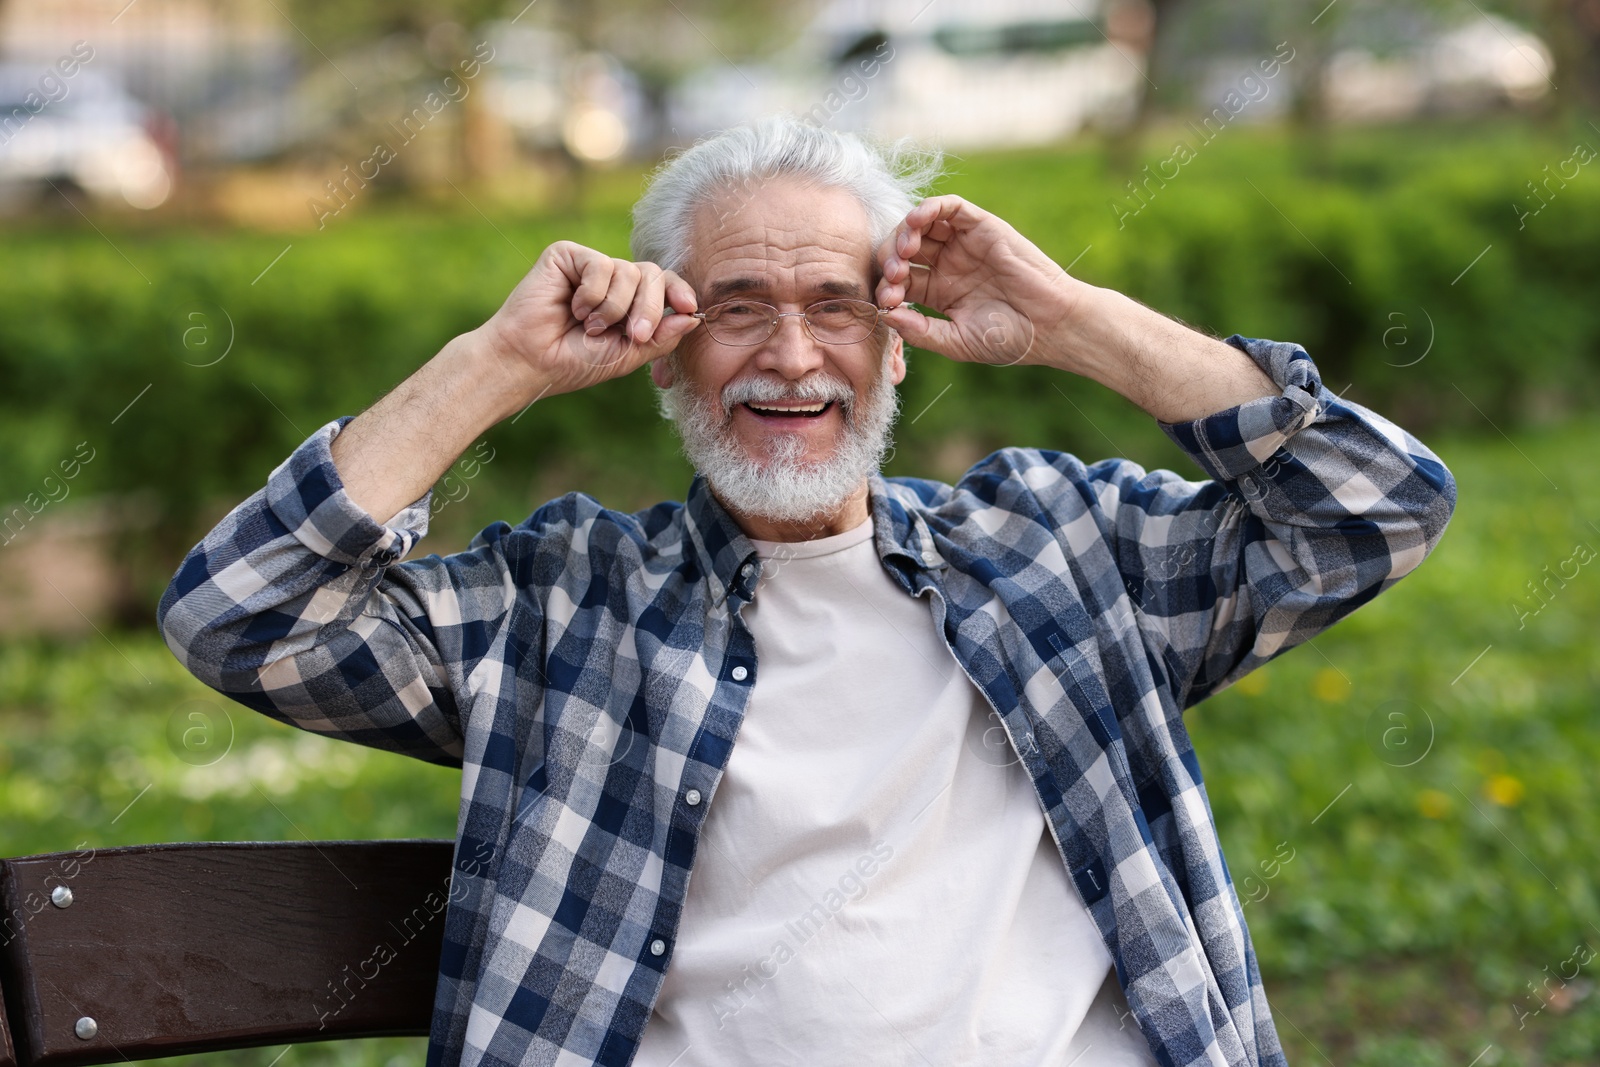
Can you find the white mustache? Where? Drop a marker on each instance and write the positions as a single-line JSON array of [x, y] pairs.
[[806, 391]]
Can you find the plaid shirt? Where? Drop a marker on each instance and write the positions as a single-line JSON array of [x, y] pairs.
[[588, 668]]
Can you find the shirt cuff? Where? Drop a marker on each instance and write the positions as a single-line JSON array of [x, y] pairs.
[[1231, 443], [306, 494]]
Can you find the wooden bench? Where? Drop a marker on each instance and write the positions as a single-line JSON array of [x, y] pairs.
[[158, 950]]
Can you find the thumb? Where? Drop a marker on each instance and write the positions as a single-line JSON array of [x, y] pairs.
[[669, 331], [921, 331]]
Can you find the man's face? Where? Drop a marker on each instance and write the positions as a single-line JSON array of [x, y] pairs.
[[748, 413]]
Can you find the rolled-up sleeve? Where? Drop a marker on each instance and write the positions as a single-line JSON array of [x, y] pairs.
[[1316, 506], [295, 605]]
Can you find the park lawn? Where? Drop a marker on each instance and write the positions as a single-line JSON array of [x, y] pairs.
[[1408, 805]]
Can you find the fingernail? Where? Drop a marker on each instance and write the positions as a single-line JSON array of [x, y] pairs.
[[595, 324], [641, 330], [581, 312]]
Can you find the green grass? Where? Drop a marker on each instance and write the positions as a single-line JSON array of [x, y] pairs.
[[1455, 864], [1419, 903]]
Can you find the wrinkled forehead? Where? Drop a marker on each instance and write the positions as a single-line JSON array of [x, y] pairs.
[[780, 238]]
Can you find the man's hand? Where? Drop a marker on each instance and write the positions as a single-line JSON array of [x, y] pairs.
[[1003, 296], [1008, 303], [576, 319], [580, 317]]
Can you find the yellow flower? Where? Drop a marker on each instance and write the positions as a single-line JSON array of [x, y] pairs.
[[1330, 686], [1433, 804], [1504, 790]]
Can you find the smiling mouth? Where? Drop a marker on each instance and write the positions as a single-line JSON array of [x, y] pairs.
[[790, 411]]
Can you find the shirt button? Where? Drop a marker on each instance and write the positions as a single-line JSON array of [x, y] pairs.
[[692, 798], [657, 947], [740, 674], [748, 569]]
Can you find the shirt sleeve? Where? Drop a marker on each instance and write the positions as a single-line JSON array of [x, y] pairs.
[[294, 605], [1316, 506]]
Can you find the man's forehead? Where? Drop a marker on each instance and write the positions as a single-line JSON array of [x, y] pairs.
[[780, 234]]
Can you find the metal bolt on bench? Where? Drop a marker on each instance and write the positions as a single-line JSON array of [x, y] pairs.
[[161, 950]]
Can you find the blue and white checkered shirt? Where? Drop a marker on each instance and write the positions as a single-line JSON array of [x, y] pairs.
[[588, 668]]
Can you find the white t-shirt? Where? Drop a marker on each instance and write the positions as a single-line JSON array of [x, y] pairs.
[[875, 881]]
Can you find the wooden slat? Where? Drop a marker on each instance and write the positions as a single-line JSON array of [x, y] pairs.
[[200, 947], [8, 1055]]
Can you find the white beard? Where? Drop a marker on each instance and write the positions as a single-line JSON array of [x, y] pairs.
[[782, 487]]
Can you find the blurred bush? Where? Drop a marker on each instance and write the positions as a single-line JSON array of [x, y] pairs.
[[231, 347]]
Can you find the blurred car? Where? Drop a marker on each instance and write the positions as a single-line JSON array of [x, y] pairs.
[[962, 74], [94, 137], [1483, 62], [553, 95]]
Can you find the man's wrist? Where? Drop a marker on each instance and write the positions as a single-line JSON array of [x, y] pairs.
[[1103, 334], [493, 385], [1173, 372]]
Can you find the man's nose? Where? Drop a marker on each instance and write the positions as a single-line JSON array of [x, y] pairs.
[[791, 350]]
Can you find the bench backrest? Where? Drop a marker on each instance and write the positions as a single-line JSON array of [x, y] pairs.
[[8, 1058], [158, 950]]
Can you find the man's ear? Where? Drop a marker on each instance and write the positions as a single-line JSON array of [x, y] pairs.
[[897, 358], [661, 371]]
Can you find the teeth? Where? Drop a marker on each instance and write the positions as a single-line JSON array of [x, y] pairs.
[[801, 408]]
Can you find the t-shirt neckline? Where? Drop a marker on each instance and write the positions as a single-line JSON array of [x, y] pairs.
[[821, 546]]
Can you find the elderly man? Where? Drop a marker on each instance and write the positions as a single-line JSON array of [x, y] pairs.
[[921, 745]]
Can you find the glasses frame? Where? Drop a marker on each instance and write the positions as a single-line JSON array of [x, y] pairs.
[[777, 316]]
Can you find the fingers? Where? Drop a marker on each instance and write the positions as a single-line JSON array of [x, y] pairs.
[[619, 295], [918, 242], [667, 335], [612, 291], [607, 291], [903, 282], [642, 315], [666, 324], [680, 295], [659, 315], [923, 232], [941, 216], [590, 274], [921, 331], [646, 310]]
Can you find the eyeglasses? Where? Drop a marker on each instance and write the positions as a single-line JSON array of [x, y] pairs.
[[832, 322]]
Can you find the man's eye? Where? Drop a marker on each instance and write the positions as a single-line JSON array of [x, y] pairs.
[[737, 311]]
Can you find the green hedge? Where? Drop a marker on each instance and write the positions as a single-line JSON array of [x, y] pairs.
[[1361, 261]]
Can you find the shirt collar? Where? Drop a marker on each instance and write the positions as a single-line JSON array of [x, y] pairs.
[[721, 548]]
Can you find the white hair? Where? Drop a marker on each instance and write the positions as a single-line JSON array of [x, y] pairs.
[[886, 178]]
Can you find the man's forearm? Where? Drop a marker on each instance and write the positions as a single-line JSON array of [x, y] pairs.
[[393, 452], [1174, 373]]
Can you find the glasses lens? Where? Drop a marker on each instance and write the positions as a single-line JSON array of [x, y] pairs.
[[740, 322], [842, 322]]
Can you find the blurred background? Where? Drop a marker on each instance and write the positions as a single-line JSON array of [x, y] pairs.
[[225, 224]]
